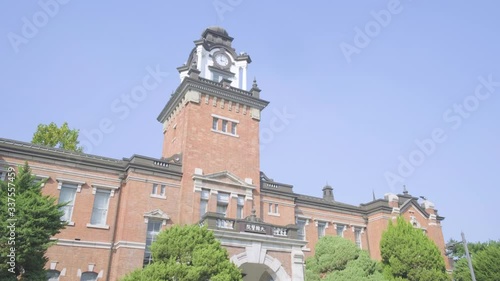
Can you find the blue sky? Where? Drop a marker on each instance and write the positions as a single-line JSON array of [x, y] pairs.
[[357, 104]]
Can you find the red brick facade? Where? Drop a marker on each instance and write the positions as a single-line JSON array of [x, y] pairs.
[[201, 159]]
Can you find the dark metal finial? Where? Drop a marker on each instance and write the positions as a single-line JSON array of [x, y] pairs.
[[405, 191], [254, 85], [373, 194]]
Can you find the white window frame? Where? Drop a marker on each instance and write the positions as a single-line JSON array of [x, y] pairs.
[[154, 235], [321, 233], [341, 231], [240, 207], [215, 123], [306, 222], [357, 236], [159, 190], [234, 127], [273, 209], [228, 128], [204, 197], [224, 126], [100, 225], [73, 184]]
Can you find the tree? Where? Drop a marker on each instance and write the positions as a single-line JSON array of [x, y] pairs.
[[187, 253], [485, 257], [28, 220], [61, 137], [408, 254], [339, 259]]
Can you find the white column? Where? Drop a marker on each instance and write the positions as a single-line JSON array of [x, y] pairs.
[[244, 78], [297, 264]]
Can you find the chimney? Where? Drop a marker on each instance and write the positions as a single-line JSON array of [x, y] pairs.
[[328, 193]]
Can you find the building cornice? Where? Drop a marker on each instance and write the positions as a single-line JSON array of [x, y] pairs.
[[29, 151], [43, 154], [211, 88]]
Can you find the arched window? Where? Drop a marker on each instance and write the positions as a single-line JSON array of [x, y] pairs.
[[89, 276]]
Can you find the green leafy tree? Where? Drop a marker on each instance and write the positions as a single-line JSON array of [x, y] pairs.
[[28, 220], [408, 254], [339, 259], [60, 137], [187, 253], [485, 262]]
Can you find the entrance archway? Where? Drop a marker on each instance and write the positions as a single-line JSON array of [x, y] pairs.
[[257, 272], [258, 266]]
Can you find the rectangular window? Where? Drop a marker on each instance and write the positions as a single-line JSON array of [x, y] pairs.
[[276, 210], [233, 128], [340, 230], [158, 190], [154, 227], [205, 194], [241, 204], [321, 229], [222, 202], [357, 236], [301, 232], [100, 209], [270, 208], [224, 126], [215, 122], [67, 195]]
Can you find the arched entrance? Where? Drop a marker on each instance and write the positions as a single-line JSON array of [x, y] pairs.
[[258, 266], [257, 272]]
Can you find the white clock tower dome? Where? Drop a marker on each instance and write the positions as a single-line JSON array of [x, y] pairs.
[[215, 59]]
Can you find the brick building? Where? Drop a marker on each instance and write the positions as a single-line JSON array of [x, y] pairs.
[[208, 173]]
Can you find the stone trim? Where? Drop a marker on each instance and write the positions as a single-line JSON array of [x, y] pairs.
[[130, 245], [111, 188], [257, 254], [169, 184], [156, 214], [78, 183], [83, 244], [42, 178]]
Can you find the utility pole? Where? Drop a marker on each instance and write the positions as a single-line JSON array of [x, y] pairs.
[[468, 257]]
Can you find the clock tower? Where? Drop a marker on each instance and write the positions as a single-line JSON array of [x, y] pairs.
[[211, 126], [214, 57]]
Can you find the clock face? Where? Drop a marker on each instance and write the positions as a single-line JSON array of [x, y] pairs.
[[222, 59]]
